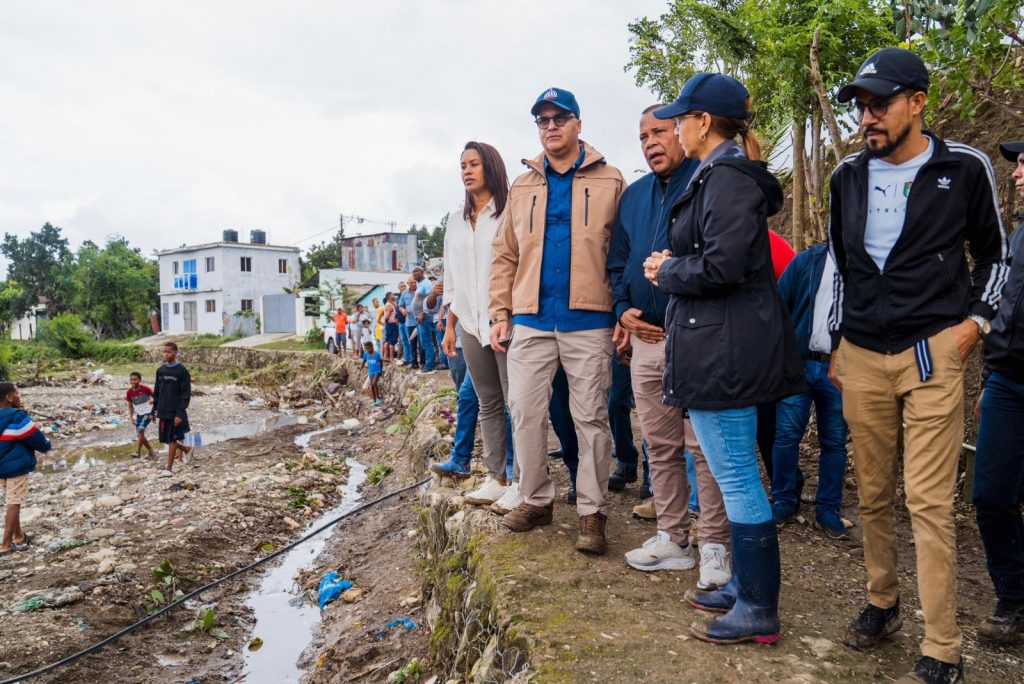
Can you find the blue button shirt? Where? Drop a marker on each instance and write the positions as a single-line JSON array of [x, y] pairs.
[[405, 301], [553, 312]]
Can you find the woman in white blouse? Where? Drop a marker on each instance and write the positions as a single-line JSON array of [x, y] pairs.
[[467, 260]]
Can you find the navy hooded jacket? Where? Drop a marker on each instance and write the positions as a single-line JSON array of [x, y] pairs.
[[798, 288], [641, 227], [19, 440]]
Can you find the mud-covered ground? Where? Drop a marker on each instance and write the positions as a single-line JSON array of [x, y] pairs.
[[102, 522]]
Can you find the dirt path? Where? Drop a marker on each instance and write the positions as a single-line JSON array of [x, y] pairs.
[[598, 620]]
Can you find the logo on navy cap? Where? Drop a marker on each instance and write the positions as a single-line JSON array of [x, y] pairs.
[[551, 94], [868, 69]]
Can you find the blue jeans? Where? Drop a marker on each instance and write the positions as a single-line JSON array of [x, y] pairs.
[[426, 338], [457, 367], [403, 331], [691, 478], [620, 402], [792, 417], [999, 484], [442, 360], [561, 422], [729, 438], [468, 408]]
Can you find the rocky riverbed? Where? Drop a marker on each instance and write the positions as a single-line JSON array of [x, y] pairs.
[[115, 538]]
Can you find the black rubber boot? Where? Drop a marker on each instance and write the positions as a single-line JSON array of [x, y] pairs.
[[757, 574]]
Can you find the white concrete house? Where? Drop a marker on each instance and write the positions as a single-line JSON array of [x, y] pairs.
[[27, 327], [212, 288]]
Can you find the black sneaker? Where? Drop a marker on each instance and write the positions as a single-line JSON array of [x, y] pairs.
[[645, 491], [872, 625], [555, 453], [932, 671], [622, 476], [1006, 625], [570, 497]]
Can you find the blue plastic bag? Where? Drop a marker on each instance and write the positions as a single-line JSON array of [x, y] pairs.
[[397, 622], [331, 587]]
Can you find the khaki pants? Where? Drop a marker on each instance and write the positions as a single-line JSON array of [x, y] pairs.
[[666, 432], [533, 358], [880, 393]]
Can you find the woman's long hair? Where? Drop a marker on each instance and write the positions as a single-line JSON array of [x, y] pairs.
[[495, 178], [729, 128]]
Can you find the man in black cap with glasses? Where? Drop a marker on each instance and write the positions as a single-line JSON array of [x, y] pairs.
[[908, 310], [999, 462]]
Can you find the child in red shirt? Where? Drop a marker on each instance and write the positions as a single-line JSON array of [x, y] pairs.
[[140, 412]]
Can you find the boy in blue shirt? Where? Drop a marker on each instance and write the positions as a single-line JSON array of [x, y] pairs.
[[19, 440], [374, 368]]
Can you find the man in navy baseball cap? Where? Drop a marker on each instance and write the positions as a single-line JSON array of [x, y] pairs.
[[562, 99], [715, 94], [887, 72]]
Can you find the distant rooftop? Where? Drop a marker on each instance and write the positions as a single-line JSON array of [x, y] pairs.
[[239, 245]]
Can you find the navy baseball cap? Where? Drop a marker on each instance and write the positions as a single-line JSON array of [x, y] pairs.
[[716, 94], [887, 72], [1011, 150], [558, 97]]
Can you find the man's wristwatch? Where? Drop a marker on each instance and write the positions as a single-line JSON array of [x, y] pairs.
[[984, 327]]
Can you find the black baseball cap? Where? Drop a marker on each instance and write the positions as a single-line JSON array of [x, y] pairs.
[[887, 72], [1011, 150]]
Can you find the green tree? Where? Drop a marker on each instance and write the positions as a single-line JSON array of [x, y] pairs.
[[114, 287], [41, 265], [974, 49], [326, 254], [430, 241]]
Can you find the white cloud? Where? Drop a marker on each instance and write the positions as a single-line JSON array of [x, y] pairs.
[[169, 123]]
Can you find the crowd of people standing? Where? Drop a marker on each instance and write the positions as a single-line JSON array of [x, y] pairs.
[[571, 295]]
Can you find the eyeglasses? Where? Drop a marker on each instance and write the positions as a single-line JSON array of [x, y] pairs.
[[679, 119], [559, 119], [878, 108]]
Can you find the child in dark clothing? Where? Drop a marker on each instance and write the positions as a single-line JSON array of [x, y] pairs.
[[19, 440], [140, 412], [171, 394], [374, 368]]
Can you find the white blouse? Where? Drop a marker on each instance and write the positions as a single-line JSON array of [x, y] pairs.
[[467, 269]]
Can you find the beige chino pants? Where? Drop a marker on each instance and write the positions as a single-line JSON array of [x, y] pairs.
[[533, 359], [881, 392]]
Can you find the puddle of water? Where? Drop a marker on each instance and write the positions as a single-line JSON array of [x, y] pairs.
[[109, 452], [284, 620]]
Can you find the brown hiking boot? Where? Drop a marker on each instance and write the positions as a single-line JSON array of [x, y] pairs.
[[645, 510], [591, 537], [526, 517]]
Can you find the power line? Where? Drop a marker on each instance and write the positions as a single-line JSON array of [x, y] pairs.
[[347, 219]]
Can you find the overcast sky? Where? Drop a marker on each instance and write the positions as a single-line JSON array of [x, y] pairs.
[[167, 123]]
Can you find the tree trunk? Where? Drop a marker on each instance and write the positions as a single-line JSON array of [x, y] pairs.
[[816, 177], [814, 72], [799, 184]]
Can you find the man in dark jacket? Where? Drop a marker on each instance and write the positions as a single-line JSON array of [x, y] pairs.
[[172, 393], [641, 228], [806, 288], [19, 440], [999, 463], [908, 311]]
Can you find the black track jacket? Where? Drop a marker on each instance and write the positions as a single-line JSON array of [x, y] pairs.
[[926, 284]]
